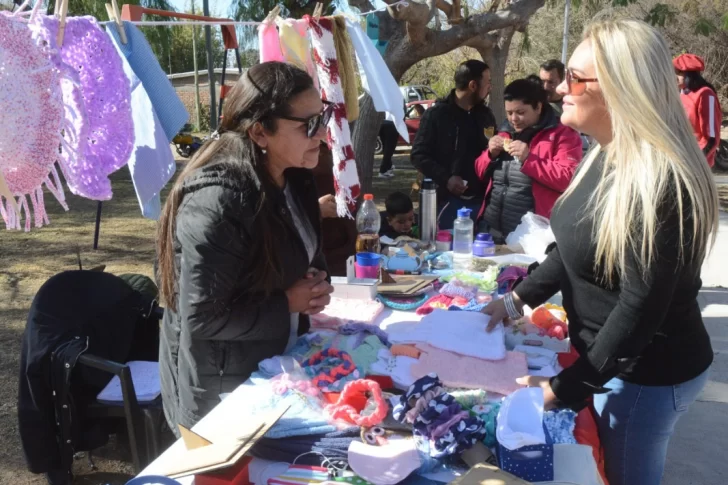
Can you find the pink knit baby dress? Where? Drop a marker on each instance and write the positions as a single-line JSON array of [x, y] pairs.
[[32, 111], [98, 104]]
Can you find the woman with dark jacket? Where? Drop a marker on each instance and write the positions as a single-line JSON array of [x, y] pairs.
[[239, 243], [632, 231], [529, 164], [700, 102]]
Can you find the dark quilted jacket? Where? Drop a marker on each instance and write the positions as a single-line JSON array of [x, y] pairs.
[[222, 328]]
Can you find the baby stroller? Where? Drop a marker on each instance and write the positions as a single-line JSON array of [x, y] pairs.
[[185, 143]]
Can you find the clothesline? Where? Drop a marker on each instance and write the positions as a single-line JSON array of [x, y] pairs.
[[202, 23]]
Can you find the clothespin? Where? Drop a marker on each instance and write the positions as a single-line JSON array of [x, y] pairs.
[[114, 15], [62, 24], [272, 15], [318, 10]]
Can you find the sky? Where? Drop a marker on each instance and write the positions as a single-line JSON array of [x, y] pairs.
[[218, 8]]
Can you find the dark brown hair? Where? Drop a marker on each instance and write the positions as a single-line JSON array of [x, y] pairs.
[[262, 93]]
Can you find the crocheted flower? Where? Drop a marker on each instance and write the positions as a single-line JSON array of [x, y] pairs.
[[30, 100]]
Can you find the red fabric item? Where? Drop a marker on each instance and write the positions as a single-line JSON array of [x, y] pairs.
[[385, 382], [689, 62], [358, 402], [705, 115], [440, 302], [586, 431], [553, 156]]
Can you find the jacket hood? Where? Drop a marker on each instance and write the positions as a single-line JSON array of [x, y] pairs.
[[548, 120]]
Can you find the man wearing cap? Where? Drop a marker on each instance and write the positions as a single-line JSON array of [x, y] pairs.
[[700, 102]]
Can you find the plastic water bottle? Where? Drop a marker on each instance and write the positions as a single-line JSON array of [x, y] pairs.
[[462, 246], [368, 222]]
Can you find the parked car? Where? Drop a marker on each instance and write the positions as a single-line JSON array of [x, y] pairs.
[[417, 93], [412, 117]]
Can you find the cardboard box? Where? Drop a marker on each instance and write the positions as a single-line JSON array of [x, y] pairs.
[[535, 340], [484, 474], [201, 456]]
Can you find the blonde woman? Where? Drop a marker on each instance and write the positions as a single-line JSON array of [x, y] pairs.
[[632, 231]]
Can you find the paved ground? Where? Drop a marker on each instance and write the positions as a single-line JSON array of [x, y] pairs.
[[697, 454]]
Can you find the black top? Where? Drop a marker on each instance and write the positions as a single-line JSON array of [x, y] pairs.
[[449, 140], [223, 327], [645, 329]]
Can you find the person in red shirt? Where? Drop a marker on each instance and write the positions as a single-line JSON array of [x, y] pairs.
[[700, 102]]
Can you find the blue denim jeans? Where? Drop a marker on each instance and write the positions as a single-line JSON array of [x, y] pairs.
[[635, 425]]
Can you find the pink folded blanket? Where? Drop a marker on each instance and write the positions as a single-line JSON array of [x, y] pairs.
[[455, 370], [341, 311]]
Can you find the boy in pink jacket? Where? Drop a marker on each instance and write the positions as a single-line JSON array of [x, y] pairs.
[[529, 164]]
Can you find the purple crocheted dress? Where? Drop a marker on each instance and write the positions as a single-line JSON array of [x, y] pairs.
[[97, 95]]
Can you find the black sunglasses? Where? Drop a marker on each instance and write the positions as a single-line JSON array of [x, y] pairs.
[[313, 123]]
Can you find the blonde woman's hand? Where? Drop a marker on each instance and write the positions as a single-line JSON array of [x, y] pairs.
[[495, 146], [498, 313], [518, 149], [327, 203], [549, 398]]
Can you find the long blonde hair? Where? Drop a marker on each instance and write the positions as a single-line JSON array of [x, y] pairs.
[[653, 153]]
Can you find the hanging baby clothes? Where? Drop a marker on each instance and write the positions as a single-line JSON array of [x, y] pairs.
[[345, 55], [269, 43], [377, 80], [295, 47], [31, 95], [170, 110], [151, 163], [339, 137], [5, 192], [107, 99], [373, 33]]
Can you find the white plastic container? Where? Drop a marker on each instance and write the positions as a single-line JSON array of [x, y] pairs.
[[462, 245]]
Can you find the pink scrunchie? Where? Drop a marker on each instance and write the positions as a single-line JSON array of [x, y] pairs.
[[284, 382]]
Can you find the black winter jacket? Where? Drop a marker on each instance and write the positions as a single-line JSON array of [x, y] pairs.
[[222, 328], [75, 312], [448, 142]]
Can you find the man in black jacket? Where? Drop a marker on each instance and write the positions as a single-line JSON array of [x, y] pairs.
[[452, 134]]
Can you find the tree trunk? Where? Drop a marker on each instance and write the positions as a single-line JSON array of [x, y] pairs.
[[410, 41], [496, 56], [366, 130]]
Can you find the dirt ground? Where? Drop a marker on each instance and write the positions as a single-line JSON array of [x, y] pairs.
[[126, 245]]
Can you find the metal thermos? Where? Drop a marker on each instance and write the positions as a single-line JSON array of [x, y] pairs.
[[428, 211]]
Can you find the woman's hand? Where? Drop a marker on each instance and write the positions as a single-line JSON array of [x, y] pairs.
[[518, 149], [549, 398], [310, 294], [327, 204], [498, 313], [495, 146], [323, 289]]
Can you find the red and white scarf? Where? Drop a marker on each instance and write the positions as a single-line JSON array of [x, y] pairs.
[[346, 177]]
